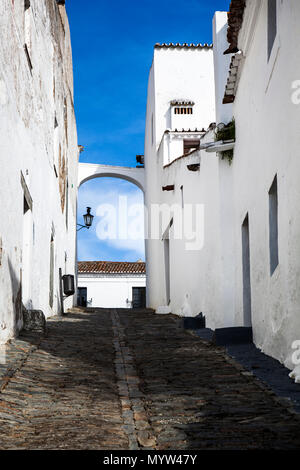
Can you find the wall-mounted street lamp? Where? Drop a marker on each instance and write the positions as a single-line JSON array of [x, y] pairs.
[[88, 220]]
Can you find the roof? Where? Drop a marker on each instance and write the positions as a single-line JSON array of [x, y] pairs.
[[235, 21], [111, 267], [182, 46], [182, 103], [232, 79]]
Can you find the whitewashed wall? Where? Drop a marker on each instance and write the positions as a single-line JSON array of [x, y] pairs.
[[45, 153], [110, 291], [266, 112], [221, 66], [182, 74], [267, 143]]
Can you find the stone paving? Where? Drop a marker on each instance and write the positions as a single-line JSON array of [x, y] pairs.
[[121, 379], [64, 395]]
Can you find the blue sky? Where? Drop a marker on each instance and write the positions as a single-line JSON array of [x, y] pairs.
[[112, 52]]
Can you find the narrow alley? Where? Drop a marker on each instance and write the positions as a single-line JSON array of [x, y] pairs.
[[123, 379]]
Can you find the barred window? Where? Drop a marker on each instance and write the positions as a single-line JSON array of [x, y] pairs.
[[183, 110]]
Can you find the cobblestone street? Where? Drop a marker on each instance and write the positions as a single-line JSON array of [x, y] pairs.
[[121, 379]]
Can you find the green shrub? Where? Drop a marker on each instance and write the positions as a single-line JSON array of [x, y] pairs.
[[227, 133]]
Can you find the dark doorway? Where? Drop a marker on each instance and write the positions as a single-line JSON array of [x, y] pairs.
[[273, 226], [51, 280], [27, 252], [82, 297], [139, 297], [246, 272]]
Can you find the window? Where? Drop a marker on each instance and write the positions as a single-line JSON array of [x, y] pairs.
[[190, 144], [273, 226], [183, 110], [272, 24]]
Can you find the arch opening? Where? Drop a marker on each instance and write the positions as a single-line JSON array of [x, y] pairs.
[[118, 261]]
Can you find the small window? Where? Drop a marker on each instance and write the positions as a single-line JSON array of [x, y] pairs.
[[183, 110], [272, 24], [190, 144], [273, 226]]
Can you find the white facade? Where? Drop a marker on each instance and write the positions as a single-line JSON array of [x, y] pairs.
[[266, 111], [38, 160], [110, 290], [267, 145], [170, 81]]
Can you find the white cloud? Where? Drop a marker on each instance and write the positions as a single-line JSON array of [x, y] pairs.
[[124, 221]]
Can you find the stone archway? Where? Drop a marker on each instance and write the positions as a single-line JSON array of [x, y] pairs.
[[88, 171]]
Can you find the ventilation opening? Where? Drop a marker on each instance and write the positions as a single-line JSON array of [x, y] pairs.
[[183, 110]]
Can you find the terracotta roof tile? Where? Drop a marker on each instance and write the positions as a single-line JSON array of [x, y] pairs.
[[111, 267], [235, 21], [182, 103], [182, 46], [232, 79]]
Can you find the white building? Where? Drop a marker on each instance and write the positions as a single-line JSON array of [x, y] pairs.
[[38, 159], [266, 173], [247, 271], [110, 284], [180, 107]]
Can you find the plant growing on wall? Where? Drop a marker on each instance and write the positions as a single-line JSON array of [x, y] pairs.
[[226, 133]]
